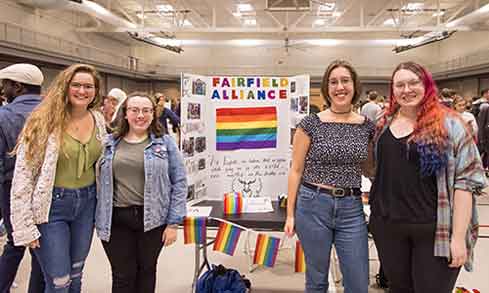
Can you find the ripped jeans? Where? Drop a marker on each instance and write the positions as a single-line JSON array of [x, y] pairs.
[[66, 238]]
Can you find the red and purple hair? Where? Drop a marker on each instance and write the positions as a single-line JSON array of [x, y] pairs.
[[430, 134]]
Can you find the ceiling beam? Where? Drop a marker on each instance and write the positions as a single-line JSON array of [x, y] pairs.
[[271, 30], [380, 13], [299, 19], [362, 14], [456, 13], [344, 12], [274, 19]]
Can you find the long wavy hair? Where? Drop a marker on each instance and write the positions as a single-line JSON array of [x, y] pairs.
[[430, 134], [53, 113], [121, 127]]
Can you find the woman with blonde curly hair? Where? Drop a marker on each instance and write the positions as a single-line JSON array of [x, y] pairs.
[[53, 189]]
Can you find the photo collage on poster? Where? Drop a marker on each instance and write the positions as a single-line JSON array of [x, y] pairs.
[[299, 106], [193, 141]]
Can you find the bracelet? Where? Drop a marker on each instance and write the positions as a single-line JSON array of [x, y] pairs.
[[173, 226]]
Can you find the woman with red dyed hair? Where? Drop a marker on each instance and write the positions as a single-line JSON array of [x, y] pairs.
[[424, 219]]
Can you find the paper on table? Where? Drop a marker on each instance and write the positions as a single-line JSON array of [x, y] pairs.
[[199, 211], [257, 205]]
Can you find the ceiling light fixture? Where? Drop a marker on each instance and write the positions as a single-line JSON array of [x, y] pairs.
[[245, 7], [412, 8], [186, 23], [156, 41], [390, 22], [423, 40], [249, 21], [165, 8], [326, 7], [319, 22]]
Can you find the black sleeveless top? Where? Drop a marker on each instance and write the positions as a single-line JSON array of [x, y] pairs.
[[399, 192]]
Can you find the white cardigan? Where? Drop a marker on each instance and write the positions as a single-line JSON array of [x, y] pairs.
[[31, 193]]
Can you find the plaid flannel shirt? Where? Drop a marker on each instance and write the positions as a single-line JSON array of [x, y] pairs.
[[463, 171]]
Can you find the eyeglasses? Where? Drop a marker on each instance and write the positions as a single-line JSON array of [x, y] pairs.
[[136, 111], [87, 86], [344, 81], [413, 83]]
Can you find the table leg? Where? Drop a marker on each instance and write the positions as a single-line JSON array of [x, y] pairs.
[[196, 266]]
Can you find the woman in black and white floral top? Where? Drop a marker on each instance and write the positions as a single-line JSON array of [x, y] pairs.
[[324, 203]]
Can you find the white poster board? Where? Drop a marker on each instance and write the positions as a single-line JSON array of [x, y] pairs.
[[245, 124]]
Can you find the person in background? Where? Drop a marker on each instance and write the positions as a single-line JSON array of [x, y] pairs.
[[483, 136], [53, 188], [460, 105], [324, 196], [21, 86], [146, 198], [423, 213], [110, 103], [164, 114], [371, 110], [480, 104], [446, 97], [3, 231]]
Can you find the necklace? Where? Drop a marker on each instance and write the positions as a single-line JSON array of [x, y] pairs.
[[337, 112]]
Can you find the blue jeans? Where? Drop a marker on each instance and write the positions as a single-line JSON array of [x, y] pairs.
[[66, 238], [321, 221], [12, 255]]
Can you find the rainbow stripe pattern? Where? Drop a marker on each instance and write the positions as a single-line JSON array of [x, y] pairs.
[[194, 230], [300, 261], [246, 128], [266, 250], [233, 203], [227, 238]]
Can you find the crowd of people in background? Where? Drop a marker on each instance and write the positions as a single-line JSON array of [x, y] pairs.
[[56, 151], [74, 161]]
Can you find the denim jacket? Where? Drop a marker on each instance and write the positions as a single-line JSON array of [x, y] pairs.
[[165, 185]]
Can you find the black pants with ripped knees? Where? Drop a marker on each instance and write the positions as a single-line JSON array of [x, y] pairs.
[[133, 253]]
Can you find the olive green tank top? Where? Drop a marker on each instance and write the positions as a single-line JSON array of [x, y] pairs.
[[76, 162]]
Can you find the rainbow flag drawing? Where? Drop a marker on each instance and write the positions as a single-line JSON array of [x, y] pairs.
[[246, 128], [266, 250], [227, 238], [233, 203], [194, 230], [300, 261]]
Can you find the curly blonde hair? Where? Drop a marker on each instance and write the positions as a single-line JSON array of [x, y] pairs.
[[52, 114]]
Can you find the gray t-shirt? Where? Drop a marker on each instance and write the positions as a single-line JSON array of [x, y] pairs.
[[371, 110], [128, 169]]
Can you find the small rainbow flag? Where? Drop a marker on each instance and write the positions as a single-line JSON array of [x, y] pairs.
[[266, 250], [227, 238], [300, 261], [463, 290], [233, 203], [246, 128], [194, 230]]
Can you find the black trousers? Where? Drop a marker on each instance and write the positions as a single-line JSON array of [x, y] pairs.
[[406, 252], [12, 255], [133, 253]]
